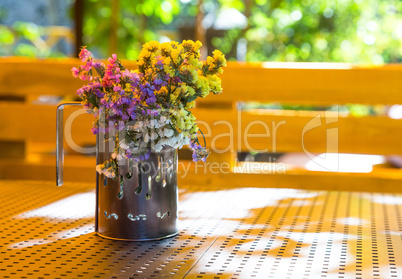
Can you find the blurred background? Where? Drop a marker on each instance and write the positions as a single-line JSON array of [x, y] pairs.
[[354, 31], [364, 35]]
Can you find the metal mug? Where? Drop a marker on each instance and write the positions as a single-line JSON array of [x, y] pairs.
[[141, 203]]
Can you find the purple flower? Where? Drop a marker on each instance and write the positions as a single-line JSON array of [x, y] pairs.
[[97, 65], [151, 100], [131, 111], [117, 111], [128, 153], [176, 80], [158, 81], [153, 112], [95, 130], [120, 126], [123, 101], [159, 60], [147, 155], [99, 93], [104, 102]]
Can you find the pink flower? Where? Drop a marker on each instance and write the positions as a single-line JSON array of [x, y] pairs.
[[75, 72], [112, 59], [85, 54], [87, 66], [84, 77]]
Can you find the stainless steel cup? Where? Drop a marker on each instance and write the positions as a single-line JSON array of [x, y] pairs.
[[141, 203]]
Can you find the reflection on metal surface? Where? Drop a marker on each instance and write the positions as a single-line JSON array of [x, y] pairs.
[[121, 192], [137, 199], [160, 215], [139, 187], [224, 233], [137, 218], [148, 195], [111, 215]]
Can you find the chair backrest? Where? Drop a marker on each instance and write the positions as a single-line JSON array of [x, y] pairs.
[[229, 127]]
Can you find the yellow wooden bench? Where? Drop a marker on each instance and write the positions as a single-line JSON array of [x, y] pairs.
[[27, 129]]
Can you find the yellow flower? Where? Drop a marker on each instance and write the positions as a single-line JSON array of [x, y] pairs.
[[183, 113], [175, 54], [197, 45], [191, 47], [189, 73], [163, 91], [215, 84], [203, 85], [169, 70], [194, 130], [128, 87], [190, 91], [194, 62], [151, 46], [218, 55], [190, 105], [165, 49]]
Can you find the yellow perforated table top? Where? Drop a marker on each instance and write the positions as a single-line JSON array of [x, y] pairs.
[[47, 232]]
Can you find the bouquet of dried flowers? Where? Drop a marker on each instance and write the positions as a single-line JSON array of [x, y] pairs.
[[149, 106]]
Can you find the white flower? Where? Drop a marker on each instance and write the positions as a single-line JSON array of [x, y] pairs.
[[123, 144], [114, 155], [158, 147], [138, 126], [168, 133], [186, 141], [154, 135], [146, 137], [152, 123]]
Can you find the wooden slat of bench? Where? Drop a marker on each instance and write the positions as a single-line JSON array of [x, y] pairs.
[[310, 86], [305, 83], [370, 135], [33, 77], [81, 168], [281, 131], [38, 123]]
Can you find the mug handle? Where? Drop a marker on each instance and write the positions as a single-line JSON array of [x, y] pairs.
[[59, 140]]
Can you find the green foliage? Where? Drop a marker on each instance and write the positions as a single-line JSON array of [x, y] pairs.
[[138, 22], [354, 31], [359, 31]]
